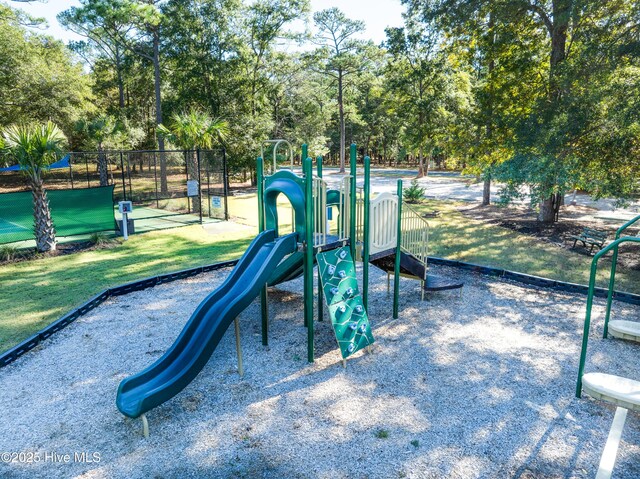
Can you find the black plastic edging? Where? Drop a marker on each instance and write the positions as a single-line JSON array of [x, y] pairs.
[[538, 281], [30, 343]]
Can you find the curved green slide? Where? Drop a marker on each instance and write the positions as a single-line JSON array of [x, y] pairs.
[[182, 362], [290, 268]]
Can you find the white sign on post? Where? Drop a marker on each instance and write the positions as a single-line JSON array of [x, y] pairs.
[[192, 188], [216, 202]]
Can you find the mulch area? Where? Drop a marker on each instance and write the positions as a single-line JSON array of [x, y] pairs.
[[571, 222]]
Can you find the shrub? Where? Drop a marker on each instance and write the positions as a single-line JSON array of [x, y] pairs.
[[415, 193], [100, 239], [8, 253]]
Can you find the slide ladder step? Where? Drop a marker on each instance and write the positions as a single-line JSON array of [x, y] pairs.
[[621, 329], [623, 392]]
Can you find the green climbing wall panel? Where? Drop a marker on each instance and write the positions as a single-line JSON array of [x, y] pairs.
[[340, 287]]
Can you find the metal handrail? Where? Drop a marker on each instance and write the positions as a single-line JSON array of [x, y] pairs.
[[592, 286], [626, 225], [276, 143], [415, 233], [612, 274]]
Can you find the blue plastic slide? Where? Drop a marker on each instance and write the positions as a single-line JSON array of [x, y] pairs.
[[182, 362]]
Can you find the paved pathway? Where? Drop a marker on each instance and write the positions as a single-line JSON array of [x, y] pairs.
[[453, 186]]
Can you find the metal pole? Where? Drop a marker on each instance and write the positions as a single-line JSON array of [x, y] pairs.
[[71, 173], [396, 267], [155, 178], [86, 166], [186, 173], [352, 206], [612, 284], [264, 306], [199, 184], [366, 246], [129, 175], [587, 324], [305, 278], [238, 347], [208, 190], [225, 183], [124, 184], [308, 255], [587, 319], [320, 292]]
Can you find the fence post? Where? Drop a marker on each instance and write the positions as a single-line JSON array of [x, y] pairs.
[[129, 175], [186, 172], [86, 167], [71, 169], [199, 184], [155, 177], [225, 183], [124, 185]]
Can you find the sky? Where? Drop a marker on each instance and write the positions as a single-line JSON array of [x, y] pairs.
[[377, 14]]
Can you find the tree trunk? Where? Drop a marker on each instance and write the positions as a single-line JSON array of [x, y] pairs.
[[342, 126], [420, 164], [558, 33], [164, 188], [486, 191], [193, 175], [103, 170], [547, 213], [120, 79], [44, 229]]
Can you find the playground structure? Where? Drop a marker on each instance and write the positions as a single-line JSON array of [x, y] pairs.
[[620, 391], [361, 229]]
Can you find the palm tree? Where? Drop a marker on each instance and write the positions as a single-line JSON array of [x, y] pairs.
[[98, 131], [193, 130], [34, 147]]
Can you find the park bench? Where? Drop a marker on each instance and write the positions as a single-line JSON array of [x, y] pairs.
[[590, 237]]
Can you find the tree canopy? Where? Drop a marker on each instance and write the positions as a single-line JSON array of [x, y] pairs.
[[542, 96]]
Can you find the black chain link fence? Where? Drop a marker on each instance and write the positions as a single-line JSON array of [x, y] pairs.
[[167, 188]]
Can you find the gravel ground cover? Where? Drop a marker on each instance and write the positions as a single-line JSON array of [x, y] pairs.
[[480, 386]]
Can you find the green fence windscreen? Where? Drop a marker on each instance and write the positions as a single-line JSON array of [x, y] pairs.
[[74, 212]]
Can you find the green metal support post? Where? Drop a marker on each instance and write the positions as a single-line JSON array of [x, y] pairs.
[[612, 277], [396, 266], [365, 233], [320, 294], [264, 304], [612, 285], [352, 195], [592, 286], [303, 159], [308, 255]]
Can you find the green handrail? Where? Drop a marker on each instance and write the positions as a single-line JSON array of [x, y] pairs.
[[612, 276], [352, 199], [592, 286], [366, 247], [264, 300], [320, 292], [308, 254]]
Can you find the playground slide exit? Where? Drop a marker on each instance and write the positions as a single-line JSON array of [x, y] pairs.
[[182, 362]]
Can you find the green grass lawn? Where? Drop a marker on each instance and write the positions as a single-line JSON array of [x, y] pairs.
[[35, 293], [457, 237]]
